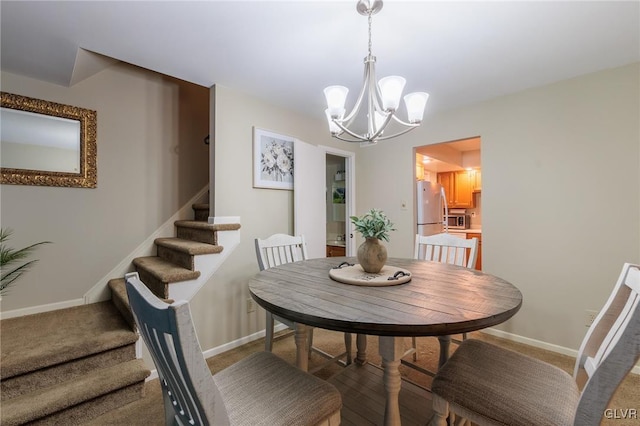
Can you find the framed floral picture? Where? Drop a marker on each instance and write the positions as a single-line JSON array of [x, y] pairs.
[[272, 160]]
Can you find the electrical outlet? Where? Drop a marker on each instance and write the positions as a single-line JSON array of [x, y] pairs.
[[251, 305], [590, 317]]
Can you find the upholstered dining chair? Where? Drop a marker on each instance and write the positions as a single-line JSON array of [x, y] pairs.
[[274, 251], [261, 389], [444, 248], [488, 385]]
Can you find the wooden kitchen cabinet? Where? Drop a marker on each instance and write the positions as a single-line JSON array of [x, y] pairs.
[[477, 186], [336, 251], [479, 259], [463, 189], [446, 180], [458, 187]]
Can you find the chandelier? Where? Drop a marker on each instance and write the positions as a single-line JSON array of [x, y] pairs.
[[382, 99]]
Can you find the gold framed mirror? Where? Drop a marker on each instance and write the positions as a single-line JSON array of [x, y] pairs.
[[46, 143]]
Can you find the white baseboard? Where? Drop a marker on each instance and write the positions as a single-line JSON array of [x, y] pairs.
[[531, 342], [540, 344], [41, 308], [228, 346]]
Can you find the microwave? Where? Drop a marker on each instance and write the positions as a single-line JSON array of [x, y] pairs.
[[458, 221]]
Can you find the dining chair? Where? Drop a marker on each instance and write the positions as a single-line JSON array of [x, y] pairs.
[[444, 248], [261, 389], [489, 385], [277, 250]]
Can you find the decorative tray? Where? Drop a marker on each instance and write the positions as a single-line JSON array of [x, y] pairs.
[[349, 273]]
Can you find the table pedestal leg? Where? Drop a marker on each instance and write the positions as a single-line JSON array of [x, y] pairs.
[[361, 349], [302, 354], [445, 342], [391, 351]]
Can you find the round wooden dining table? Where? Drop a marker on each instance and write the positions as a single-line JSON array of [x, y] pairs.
[[440, 300]]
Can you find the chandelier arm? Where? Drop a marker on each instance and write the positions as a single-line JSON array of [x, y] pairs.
[[371, 126], [381, 129], [355, 135], [404, 123], [352, 140], [396, 134], [378, 96], [358, 104], [359, 138]]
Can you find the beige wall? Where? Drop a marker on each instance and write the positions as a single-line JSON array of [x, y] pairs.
[[151, 160], [219, 309], [560, 193]]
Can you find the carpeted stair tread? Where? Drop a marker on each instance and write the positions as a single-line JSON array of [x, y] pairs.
[[163, 270], [16, 386], [44, 402], [204, 225], [37, 341], [188, 246], [119, 291]]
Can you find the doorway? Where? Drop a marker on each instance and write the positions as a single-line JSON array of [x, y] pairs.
[[335, 196], [313, 188], [456, 166], [340, 201], [444, 162]]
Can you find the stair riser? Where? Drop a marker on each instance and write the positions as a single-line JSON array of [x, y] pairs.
[[201, 215], [25, 383], [156, 286], [182, 259], [202, 235], [88, 410], [121, 301]]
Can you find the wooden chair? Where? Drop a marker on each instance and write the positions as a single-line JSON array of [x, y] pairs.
[[261, 389], [444, 248], [274, 251], [488, 385]]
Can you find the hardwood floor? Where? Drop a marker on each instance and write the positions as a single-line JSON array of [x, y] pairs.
[[363, 397]]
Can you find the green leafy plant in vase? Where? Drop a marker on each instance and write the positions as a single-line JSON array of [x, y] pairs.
[[9, 257], [373, 226]]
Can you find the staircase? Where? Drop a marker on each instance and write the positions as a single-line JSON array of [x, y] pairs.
[[71, 365]]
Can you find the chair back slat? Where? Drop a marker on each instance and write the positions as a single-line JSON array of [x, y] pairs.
[[610, 349], [168, 333], [445, 248], [279, 249]]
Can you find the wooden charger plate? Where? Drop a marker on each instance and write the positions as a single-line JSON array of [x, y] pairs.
[[355, 275]]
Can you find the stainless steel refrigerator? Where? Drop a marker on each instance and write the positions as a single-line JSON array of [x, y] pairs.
[[432, 206]]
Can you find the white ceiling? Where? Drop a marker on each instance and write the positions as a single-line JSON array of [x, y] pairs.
[[288, 51]]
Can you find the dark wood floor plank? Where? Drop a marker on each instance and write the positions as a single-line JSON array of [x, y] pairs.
[[363, 397]]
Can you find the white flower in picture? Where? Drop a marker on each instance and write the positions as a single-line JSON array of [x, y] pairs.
[[273, 160]]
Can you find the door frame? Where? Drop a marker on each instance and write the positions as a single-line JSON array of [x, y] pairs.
[[350, 185]]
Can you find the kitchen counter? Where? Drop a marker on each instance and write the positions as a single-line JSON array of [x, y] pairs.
[[336, 243], [466, 231]]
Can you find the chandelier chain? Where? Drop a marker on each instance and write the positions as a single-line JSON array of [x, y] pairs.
[[370, 20]]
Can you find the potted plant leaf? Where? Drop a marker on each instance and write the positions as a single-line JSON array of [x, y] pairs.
[[373, 226], [10, 261]]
